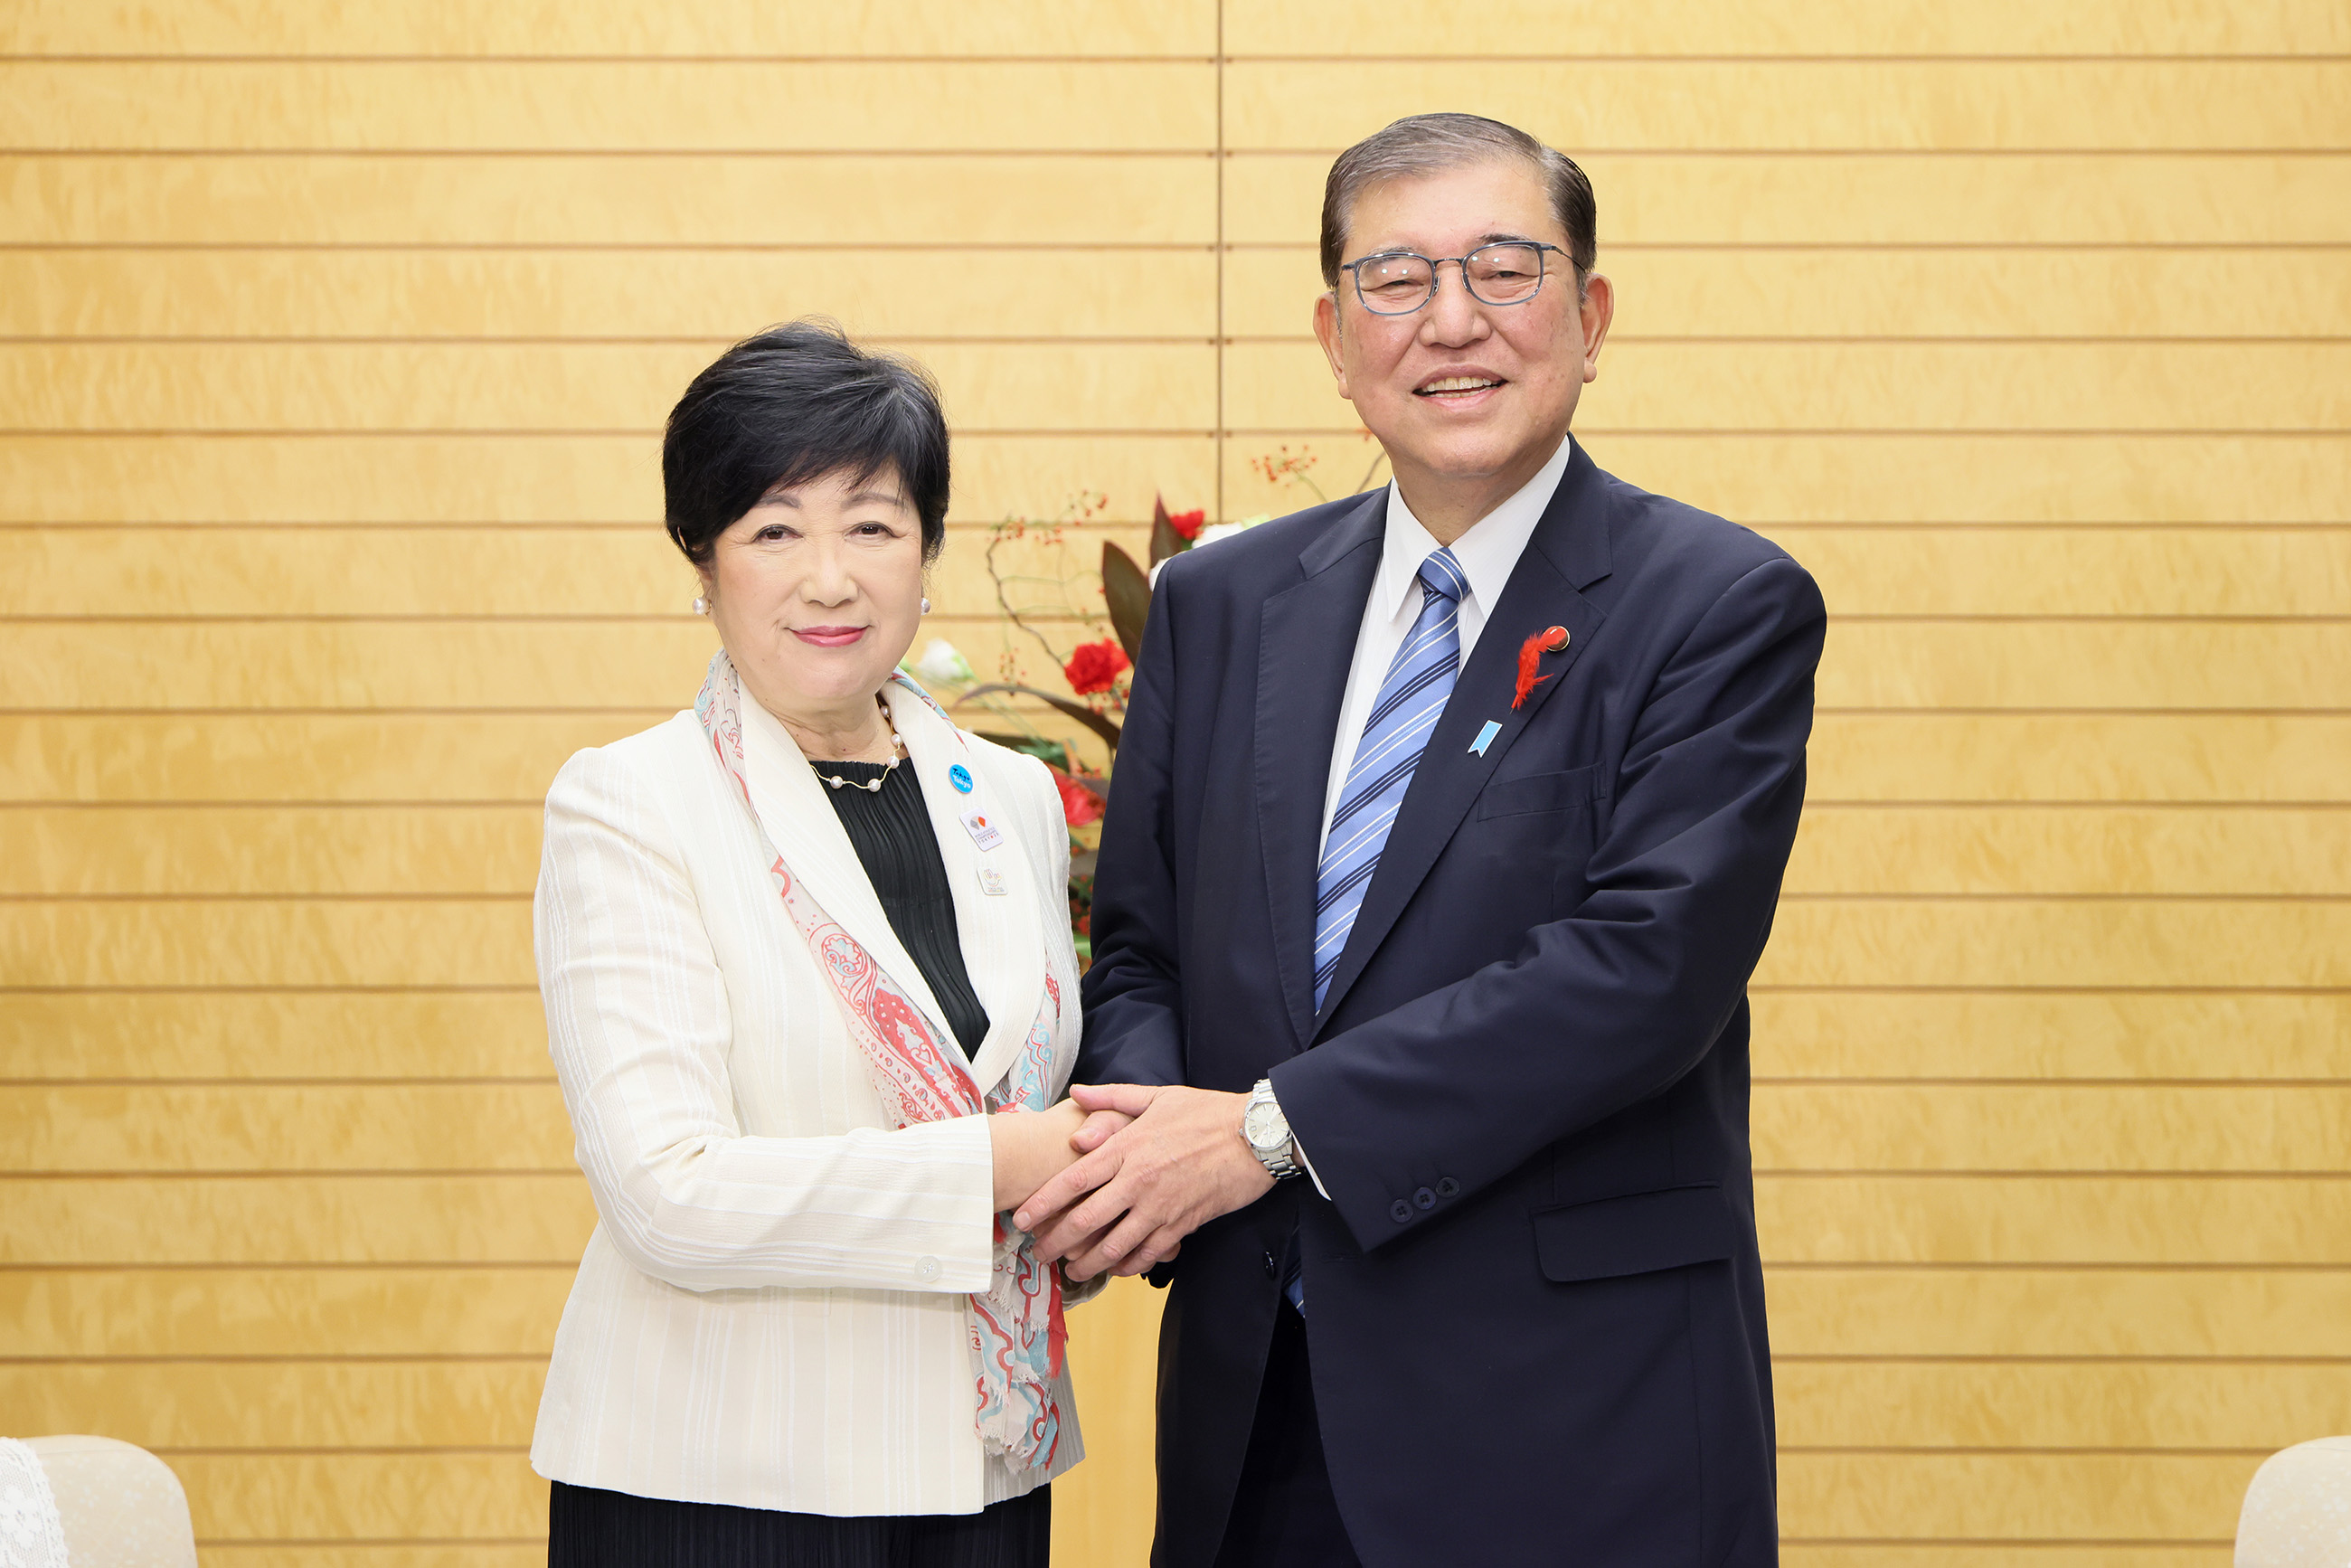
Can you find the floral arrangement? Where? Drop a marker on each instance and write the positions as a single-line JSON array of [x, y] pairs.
[[1098, 670]]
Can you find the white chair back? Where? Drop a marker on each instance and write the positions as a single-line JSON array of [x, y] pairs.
[[118, 1505], [2298, 1510]]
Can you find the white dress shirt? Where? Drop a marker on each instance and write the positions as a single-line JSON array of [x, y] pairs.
[[1486, 554]]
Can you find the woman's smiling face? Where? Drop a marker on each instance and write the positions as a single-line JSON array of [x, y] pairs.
[[817, 592]]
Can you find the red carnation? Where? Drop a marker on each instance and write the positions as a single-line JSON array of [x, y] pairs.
[[1079, 804], [1094, 666], [1188, 523]]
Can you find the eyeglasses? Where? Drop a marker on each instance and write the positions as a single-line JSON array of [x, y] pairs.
[[1399, 282]]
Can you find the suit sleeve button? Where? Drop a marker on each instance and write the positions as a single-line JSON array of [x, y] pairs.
[[1400, 1211], [1426, 1198], [926, 1268], [1448, 1188]]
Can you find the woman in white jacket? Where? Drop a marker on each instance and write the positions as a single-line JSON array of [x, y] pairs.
[[812, 998]]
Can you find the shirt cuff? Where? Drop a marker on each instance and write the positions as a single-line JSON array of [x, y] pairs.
[[1300, 1150]]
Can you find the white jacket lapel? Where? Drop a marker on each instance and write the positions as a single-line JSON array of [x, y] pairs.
[[800, 822], [1003, 943]]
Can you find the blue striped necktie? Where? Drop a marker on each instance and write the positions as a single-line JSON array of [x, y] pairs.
[[1412, 699]]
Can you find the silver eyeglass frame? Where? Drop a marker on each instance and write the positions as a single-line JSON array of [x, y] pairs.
[[1542, 270]]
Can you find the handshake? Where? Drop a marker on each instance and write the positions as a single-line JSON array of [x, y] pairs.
[[1112, 1179]]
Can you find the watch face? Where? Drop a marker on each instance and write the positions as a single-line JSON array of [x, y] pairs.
[[1262, 1125]]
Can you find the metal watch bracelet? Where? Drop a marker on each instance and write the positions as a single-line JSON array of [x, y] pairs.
[[1265, 1131]]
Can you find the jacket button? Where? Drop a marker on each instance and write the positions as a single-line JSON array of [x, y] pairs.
[[926, 1268], [1270, 1268], [1426, 1198], [1400, 1211], [1448, 1188]]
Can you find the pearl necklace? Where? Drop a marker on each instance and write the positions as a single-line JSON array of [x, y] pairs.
[[897, 755]]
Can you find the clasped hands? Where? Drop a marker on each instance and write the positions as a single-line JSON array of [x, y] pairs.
[[1154, 1164]]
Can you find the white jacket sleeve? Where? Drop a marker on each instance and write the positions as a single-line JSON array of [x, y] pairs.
[[638, 1026]]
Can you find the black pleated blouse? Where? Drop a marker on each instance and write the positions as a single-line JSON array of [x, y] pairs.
[[890, 830]]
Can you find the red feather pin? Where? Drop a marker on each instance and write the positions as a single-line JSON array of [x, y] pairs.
[[1550, 640]]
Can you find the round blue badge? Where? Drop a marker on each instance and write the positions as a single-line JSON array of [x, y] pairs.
[[960, 777]]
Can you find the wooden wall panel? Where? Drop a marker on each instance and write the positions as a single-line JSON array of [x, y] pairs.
[[2221, 1035], [1983, 291], [314, 1220], [2006, 1314], [1811, 105], [1980, 1219], [1945, 197], [630, 570], [642, 199], [1915, 756], [2016, 28], [334, 345], [556, 387], [2087, 386], [1102, 106], [902, 28], [2101, 1498], [346, 851], [1818, 1553], [567, 480], [306, 943], [309, 1314], [612, 570], [1099, 292], [199, 1034], [1880, 477], [252, 1127], [555, 663]]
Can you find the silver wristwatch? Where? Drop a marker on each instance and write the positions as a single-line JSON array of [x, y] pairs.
[[1267, 1132]]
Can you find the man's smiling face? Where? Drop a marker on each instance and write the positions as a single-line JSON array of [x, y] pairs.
[[1460, 390]]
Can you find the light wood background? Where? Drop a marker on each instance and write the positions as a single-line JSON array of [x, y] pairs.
[[334, 341]]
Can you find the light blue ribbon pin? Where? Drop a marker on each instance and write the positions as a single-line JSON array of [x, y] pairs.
[[1485, 738]]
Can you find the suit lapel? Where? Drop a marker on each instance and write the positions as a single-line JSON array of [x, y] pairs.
[[799, 822], [1002, 933], [1306, 643], [1568, 551]]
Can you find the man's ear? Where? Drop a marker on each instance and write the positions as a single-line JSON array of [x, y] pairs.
[[1326, 332], [1596, 309]]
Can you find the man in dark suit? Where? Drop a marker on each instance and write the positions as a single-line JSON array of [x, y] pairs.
[[1448, 827]]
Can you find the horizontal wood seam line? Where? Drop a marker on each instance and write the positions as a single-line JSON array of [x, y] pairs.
[[1184, 152], [1205, 247], [1760, 58]]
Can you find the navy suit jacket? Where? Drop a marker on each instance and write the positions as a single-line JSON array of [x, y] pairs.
[[1534, 1305]]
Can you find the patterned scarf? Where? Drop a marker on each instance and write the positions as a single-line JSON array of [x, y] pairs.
[[1015, 1326]]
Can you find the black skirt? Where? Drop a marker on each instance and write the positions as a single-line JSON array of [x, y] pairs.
[[588, 1527]]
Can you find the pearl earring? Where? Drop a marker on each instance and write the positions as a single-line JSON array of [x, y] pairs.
[[701, 605], [926, 607]]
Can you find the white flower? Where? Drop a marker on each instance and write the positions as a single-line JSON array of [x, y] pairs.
[[941, 665], [1216, 531]]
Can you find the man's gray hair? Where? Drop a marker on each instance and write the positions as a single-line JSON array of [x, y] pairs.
[[1430, 143]]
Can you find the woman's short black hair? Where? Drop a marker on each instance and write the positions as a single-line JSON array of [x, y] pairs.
[[792, 404]]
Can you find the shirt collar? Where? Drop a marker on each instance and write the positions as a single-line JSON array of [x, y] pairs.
[[1486, 554]]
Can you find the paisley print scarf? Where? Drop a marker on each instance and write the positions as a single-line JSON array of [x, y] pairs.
[[1015, 1326]]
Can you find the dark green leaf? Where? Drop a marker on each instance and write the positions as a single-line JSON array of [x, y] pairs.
[[1127, 590], [1052, 753], [1107, 729], [1164, 540]]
